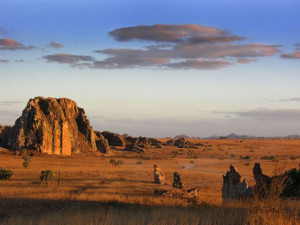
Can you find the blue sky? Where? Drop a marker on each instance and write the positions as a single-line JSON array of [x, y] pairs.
[[230, 66]]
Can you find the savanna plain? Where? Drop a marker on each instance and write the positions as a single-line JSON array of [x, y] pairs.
[[89, 189]]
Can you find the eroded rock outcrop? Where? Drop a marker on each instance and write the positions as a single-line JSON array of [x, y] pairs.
[[233, 188], [114, 139], [159, 176], [53, 126], [102, 143], [5, 132], [177, 181], [284, 185]]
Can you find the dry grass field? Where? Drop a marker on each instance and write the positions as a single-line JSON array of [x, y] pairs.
[[89, 190]]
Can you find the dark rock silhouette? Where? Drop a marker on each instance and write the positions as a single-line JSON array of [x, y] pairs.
[[4, 135], [233, 188], [114, 139], [177, 181]]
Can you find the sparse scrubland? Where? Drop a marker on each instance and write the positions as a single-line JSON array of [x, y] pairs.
[[90, 189]]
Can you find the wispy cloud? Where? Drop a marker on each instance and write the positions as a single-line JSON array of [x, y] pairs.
[[293, 55], [11, 102], [56, 45], [244, 61], [265, 115], [4, 61], [173, 47], [290, 100], [68, 58], [10, 44]]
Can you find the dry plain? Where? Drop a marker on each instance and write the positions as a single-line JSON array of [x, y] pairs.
[[92, 183]]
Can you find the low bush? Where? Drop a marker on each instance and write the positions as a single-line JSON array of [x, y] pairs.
[[268, 157], [47, 176], [245, 157], [27, 160], [5, 174], [116, 163]]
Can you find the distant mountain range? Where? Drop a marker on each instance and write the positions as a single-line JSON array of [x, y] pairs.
[[234, 136]]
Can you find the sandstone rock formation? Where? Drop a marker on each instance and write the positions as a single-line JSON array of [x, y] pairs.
[[233, 188], [288, 184], [177, 181], [101, 143], [4, 135], [263, 182], [159, 177], [53, 126], [291, 183], [114, 139]]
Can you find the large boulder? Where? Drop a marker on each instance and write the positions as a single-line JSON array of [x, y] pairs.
[[53, 126], [183, 143], [114, 139], [233, 187]]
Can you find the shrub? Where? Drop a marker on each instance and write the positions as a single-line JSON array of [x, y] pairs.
[[5, 174], [116, 163], [245, 157], [268, 157], [232, 156], [27, 160], [47, 176], [144, 157], [294, 157], [139, 162]]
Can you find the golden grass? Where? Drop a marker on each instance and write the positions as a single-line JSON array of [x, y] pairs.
[[91, 191]]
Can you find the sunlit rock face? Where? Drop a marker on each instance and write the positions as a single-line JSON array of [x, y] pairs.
[[53, 126]]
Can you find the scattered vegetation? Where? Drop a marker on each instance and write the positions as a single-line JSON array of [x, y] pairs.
[[272, 157], [47, 176], [294, 157], [27, 160], [114, 162], [247, 157], [5, 174], [139, 162], [144, 157]]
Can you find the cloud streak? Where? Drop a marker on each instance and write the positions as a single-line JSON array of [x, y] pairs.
[[55, 45], [293, 55], [4, 61], [265, 115], [10, 44], [68, 58]]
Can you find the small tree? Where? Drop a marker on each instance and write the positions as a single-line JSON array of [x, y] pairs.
[[47, 176], [5, 174], [27, 161]]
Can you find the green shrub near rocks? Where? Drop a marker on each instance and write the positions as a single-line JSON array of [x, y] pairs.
[[5, 174]]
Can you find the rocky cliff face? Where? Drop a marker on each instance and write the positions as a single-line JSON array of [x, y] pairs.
[[53, 126]]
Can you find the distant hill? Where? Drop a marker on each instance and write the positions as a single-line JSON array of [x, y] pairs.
[[236, 136], [293, 136]]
